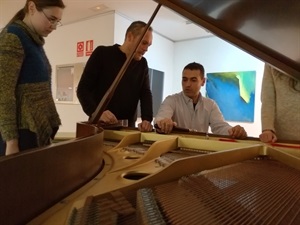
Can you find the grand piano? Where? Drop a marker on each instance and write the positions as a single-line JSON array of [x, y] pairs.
[[123, 176]]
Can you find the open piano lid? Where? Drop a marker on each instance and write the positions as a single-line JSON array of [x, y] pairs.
[[268, 30]]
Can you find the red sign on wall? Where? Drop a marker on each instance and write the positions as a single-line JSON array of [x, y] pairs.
[[89, 47], [80, 49]]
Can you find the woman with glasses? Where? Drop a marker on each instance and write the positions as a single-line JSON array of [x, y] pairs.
[[28, 116]]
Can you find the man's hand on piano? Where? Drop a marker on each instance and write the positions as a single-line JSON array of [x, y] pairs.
[[145, 126], [108, 117], [237, 132], [165, 126]]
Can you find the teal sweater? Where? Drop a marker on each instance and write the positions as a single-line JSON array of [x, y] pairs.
[[26, 100]]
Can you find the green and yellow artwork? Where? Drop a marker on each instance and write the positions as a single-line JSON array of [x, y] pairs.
[[234, 92]]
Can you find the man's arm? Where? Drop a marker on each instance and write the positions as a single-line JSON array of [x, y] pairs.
[[88, 83], [220, 126], [163, 119], [217, 122], [146, 98], [146, 103]]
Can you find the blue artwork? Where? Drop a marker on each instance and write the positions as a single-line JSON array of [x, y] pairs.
[[234, 92]]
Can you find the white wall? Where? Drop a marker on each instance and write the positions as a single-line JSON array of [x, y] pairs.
[[161, 57], [217, 55]]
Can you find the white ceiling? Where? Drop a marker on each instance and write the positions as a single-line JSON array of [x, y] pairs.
[[166, 22]]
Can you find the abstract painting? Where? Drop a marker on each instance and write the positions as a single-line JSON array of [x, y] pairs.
[[234, 92]]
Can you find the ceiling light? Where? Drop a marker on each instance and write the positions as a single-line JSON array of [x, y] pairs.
[[98, 8]]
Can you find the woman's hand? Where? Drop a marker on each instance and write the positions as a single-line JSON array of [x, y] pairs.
[[268, 136], [12, 147]]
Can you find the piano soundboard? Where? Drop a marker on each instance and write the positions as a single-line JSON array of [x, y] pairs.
[[150, 178]]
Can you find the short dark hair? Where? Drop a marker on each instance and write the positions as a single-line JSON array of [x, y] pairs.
[[136, 28], [195, 66]]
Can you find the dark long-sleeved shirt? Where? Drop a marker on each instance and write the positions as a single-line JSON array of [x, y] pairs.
[[101, 70]]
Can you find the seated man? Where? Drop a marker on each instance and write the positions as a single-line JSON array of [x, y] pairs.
[[189, 109]]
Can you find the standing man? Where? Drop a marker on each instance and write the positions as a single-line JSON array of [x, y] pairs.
[[189, 109], [103, 67]]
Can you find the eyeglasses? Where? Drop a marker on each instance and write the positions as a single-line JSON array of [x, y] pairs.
[[53, 22]]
